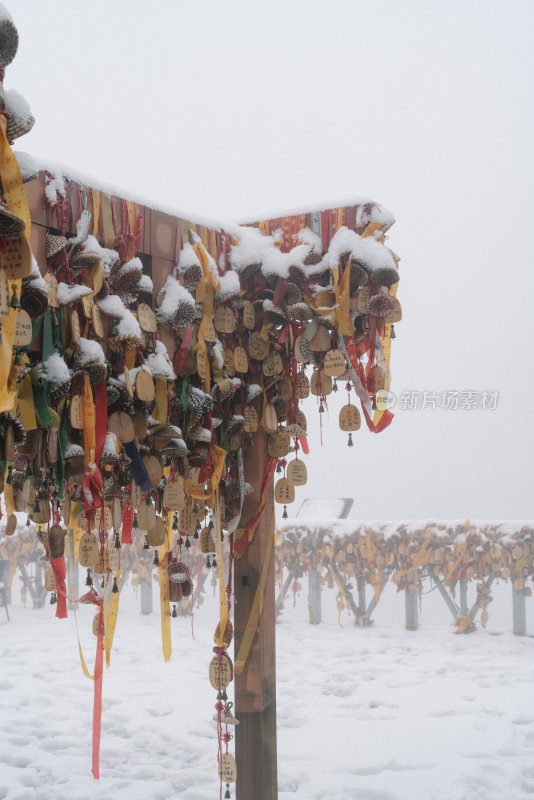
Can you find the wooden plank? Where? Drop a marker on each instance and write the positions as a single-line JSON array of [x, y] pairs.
[[255, 688]]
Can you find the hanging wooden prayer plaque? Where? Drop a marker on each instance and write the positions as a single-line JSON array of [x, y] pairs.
[[87, 306], [154, 469], [116, 512], [251, 420], [349, 418], [299, 355], [272, 364], [175, 592], [227, 768], [98, 322], [43, 515], [56, 541], [102, 518], [228, 633], [146, 516], [135, 494], [229, 364], [234, 440], [121, 425], [240, 360], [76, 412], [395, 315], [223, 320], [284, 491], [302, 386], [95, 624], [50, 580], [285, 389], [207, 545], [249, 316], [5, 298], [16, 258], [297, 472], [258, 347], [221, 672], [334, 363], [209, 332], [11, 525], [146, 318], [51, 280], [270, 419], [189, 519], [52, 446], [140, 426], [378, 378], [144, 386], [156, 535], [320, 341], [363, 299], [278, 445], [321, 383], [75, 328], [173, 496], [23, 329]]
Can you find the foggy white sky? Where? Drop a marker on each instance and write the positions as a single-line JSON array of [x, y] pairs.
[[243, 109]]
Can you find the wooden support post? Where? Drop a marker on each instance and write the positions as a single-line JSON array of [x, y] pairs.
[[463, 596], [370, 608], [255, 688], [519, 612], [453, 608], [362, 601], [314, 597], [412, 602]]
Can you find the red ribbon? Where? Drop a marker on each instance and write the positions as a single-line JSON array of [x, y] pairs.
[[183, 350], [241, 544], [58, 565], [127, 520]]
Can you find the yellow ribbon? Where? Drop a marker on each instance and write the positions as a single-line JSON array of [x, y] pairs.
[[96, 210], [223, 602], [111, 618], [88, 425], [198, 492], [341, 313], [26, 408], [257, 606], [204, 294], [165, 607]]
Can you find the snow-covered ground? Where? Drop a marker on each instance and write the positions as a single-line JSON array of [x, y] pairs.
[[374, 714]]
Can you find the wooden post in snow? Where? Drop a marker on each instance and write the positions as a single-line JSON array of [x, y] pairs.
[[463, 596], [519, 612], [314, 596], [255, 688], [412, 600]]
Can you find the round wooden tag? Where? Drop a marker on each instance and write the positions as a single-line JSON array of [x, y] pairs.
[[334, 363], [89, 549], [146, 318], [95, 624], [51, 280], [221, 672], [302, 386], [284, 491], [156, 535], [102, 513], [128, 382], [188, 518], [321, 383], [278, 445], [272, 364], [227, 768], [249, 316], [270, 418], [23, 329], [240, 360], [121, 425], [251, 420], [116, 512], [76, 412], [50, 580], [5, 298], [74, 328], [297, 472], [140, 426], [228, 633], [174, 496], [154, 469], [349, 418], [223, 320], [98, 323], [144, 386], [135, 494], [209, 333], [299, 355], [113, 559], [258, 347], [229, 364], [378, 378]]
